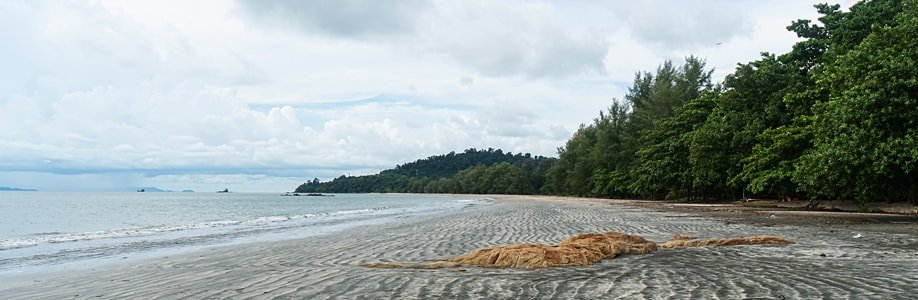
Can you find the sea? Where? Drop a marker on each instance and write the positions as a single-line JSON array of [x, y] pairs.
[[52, 231]]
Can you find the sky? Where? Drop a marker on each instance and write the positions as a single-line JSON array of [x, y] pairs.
[[256, 95]]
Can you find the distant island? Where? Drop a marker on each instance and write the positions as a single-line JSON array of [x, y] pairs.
[[151, 189], [14, 189]]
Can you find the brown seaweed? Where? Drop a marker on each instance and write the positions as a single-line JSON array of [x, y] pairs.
[[579, 250]]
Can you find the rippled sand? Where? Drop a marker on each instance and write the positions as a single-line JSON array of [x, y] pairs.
[[823, 263]]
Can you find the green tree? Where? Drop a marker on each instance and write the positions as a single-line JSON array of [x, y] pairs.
[[663, 171], [611, 156], [865, 137], [658, 125]]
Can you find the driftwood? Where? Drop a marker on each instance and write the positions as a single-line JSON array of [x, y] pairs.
[[578, 250]]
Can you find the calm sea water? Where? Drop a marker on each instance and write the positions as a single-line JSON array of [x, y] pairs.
[[50, 231]]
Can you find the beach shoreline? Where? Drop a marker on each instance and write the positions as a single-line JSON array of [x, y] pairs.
[[329, 266], [762, 215]]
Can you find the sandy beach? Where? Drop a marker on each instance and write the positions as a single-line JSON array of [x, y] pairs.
[[836, 257]]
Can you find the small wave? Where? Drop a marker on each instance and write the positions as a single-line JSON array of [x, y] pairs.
[[355, 211], [275, 219], [55, 238], [58, 237], [45, 233], [476, 200]]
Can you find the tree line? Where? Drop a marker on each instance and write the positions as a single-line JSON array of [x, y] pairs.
[[836, 117], [470, 172]]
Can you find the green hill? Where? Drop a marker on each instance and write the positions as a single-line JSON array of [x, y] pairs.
[[448, 165], [449, 173]]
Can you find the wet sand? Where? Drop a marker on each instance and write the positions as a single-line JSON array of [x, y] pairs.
[[828, 261]]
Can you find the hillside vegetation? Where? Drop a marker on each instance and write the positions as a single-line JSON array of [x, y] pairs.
[[472, 171]]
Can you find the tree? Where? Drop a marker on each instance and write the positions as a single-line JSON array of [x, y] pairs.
[[662, 117], [663, 171], [865, 137]]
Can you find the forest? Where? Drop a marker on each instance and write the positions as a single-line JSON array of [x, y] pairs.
[[470, 172], [836, 117]]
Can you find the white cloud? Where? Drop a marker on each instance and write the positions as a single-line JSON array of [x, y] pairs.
[[344, 18], [506, 38], [214, 92], [493, 38], [684, 24]]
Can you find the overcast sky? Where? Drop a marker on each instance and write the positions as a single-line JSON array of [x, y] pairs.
[[260, 95]]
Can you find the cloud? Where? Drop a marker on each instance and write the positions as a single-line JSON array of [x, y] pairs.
[[343, 18], [498, 38], [98, 131], [466, 81], [223, 91], [516, 38], [492, 38], [684, 24]]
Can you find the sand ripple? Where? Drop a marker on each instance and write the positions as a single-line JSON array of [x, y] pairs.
[[821, 265]]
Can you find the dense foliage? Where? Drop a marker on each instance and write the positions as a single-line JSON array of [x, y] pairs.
[[472, 171], [448, 165], [834, 118]]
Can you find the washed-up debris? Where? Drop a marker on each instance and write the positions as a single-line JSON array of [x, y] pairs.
[[578, 250]]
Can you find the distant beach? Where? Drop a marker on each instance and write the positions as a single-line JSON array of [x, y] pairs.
[[837, 260]]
